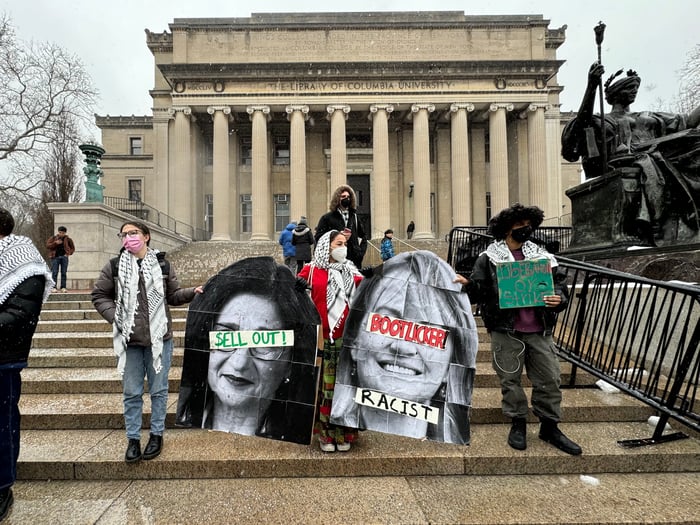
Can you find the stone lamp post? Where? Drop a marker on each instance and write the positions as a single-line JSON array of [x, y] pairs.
[[93, 153]]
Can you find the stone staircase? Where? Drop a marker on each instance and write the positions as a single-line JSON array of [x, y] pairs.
[[73, 444]]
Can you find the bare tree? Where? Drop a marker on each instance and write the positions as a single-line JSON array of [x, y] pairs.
[[688, 97]]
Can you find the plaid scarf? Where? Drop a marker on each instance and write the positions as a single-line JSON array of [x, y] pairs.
[[20, 260], [127, 304]]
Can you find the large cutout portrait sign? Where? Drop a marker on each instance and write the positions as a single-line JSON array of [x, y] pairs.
[[409, 353], [250, 354]]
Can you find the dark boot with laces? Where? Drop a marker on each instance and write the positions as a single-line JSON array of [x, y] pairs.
[[133, 451], [517, 438], [549, 432], [153, 447]]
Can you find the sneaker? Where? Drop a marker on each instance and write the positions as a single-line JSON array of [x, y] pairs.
[[327, 447], [6, 500], [343, 447], [53, 290], [63, 290]]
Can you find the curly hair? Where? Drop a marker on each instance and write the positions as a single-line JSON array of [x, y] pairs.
[[335, 199], [501, 224], [7, 222]]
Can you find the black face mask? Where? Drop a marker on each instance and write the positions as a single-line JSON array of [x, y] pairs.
[[345, 203], [521, 234]]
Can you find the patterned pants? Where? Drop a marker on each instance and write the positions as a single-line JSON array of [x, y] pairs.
[[327, 432]]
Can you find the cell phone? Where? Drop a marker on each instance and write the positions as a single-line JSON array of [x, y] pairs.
[[347, 232]]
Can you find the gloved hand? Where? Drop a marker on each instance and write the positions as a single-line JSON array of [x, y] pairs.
[[300, 285], [367, 272]]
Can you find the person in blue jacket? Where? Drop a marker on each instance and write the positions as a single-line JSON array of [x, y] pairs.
[[289, 251], [387, 251]]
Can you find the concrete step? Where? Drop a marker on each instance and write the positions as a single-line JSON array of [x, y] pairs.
[[196, 453], [85, 339], [105, 410], [90, 326], [606, 498], [80, 358], [78, 314]]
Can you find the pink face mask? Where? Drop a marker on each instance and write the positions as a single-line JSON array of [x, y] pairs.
[[132, 244]]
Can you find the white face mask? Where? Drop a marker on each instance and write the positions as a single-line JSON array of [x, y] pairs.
[[340, 254]]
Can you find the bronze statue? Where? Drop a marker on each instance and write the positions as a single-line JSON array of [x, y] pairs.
[[658, 152]]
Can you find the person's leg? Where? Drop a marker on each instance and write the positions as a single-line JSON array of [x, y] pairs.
[[64, 271], [543, 369], [55, 265], [10, 389], [134, 373], [158, 387]]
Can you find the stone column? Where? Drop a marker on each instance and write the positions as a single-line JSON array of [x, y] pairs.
[[421, 170], [221, 178], [261, 196], [338, 114], [461, 175], [498, 157], [381, 185], [157, 193], [297, 115], [537, 157], [179, 190]]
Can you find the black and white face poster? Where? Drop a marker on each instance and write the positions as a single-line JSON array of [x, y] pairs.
[[409, 353], [250, 355]]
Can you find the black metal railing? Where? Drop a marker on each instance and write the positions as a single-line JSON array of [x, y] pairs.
[[148, 213]]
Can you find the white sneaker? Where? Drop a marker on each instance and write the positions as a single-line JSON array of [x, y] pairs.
[[343, 447], [327, 447], [63, 290]]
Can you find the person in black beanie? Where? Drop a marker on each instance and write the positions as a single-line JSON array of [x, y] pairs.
[[303, 239]]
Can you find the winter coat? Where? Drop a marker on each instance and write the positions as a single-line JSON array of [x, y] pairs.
[[387, 249], [52, 244], [19, 315], [104, 295], [357, 244], [288, 249], [303, 239]]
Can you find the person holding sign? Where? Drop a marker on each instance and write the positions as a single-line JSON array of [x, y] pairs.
[[250, 350], [409, 355], [332, 278], [521, 336]]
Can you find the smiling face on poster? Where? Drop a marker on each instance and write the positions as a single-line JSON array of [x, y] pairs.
[[409, 353], [250, 353]]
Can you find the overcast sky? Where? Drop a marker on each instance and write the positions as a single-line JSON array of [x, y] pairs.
[[652, 37]]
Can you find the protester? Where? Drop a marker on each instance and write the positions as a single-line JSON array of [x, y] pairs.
[[60, 248], [303, 240], [429, 374], [288, 248], [387, 246], [25, 283], [132, 293], [343, 217], [522, 337], [332, 279], [266, 391]]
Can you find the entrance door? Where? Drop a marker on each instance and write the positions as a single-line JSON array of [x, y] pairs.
[[360, 183]]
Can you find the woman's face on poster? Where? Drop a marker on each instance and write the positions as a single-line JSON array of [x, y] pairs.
[[242, 377], [400, 368]]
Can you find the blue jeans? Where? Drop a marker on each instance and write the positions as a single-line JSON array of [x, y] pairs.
[[60, 262], [10, 389], [139, 364]]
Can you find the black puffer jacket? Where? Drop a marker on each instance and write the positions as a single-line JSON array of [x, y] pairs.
[[19, 315], [483, 290]]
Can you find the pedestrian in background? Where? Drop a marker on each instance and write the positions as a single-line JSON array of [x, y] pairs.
[[60, 248], [387, 247], [303, 240], [289, 251], [410, 229], [25, 283]]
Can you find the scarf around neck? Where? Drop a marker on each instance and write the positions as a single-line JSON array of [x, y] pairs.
[[127, 304], [498, 252], [20, 260], [341, 281]]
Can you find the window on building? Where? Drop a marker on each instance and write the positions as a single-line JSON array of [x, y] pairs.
[[135, 146], [208, 154], [246, 151], [281, 151], [246, 213], [488, 207], [209, 214], [281, 211], [135, 186]]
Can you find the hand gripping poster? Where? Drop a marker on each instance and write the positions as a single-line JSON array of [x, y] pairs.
[[250, 355], [409, 353]]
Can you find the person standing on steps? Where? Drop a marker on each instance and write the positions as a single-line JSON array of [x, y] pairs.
[[343, 218], [132, 293], [303, 240], [25, 283], [60, 248], [289, 251], [522, 337], [387, 246]]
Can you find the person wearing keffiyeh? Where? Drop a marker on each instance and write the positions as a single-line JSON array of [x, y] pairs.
[[25, 283], [333, 280], [522, 337], [132, 293]]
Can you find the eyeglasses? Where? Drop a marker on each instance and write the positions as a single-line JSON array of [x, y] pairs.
[[130, 233], [264, 353]]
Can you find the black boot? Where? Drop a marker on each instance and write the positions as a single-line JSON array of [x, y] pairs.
[[153, 447], [6, 500], [517, 438], [549, 432], [133, 451]]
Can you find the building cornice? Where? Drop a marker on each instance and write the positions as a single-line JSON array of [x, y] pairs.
[[133, 121]]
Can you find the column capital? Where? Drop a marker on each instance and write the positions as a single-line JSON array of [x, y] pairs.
[[213, 109], [186, 110], [297, 107], [265, 110], [533, 107], [467, 106], [162, 114], [415, 108], [497, 105], [332, 108], [373, 108]]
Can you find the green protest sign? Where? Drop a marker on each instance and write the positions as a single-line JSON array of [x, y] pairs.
[[523, 284]]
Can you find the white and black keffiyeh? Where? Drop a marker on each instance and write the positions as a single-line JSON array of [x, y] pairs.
[[341, 281], [20, 260], [498, 252], [127, 304]]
